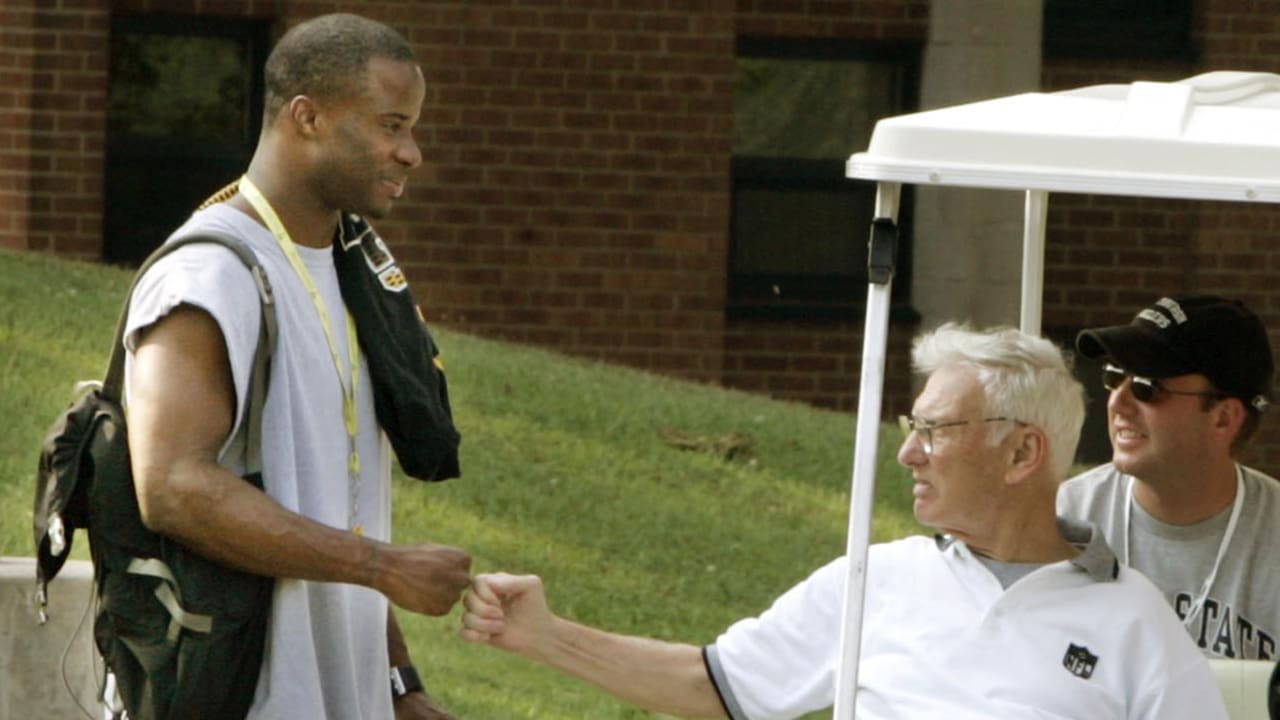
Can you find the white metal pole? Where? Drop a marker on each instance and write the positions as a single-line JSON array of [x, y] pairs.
[[862, 494], [1037, 210]]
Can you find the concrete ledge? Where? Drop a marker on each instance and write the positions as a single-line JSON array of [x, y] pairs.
[[31, 655]]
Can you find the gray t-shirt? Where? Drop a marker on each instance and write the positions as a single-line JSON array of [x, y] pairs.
[[326, 652], [1240, 617]]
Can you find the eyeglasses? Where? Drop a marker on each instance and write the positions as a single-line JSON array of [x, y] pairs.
[[924, 428], [1145, 389]]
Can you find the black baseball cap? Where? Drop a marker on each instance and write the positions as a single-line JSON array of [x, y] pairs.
[[1215, 337]]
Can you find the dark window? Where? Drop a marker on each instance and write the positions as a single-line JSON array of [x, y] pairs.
[[1155, 29], [183, 113], [799, 226]]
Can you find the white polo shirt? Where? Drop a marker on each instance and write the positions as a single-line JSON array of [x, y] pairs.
[[1083, 639]]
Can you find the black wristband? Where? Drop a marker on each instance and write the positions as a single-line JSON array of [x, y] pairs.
[[404, 680]]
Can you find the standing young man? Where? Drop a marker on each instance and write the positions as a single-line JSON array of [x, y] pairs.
[[1189, 380], [1010, 614], [342, 96]]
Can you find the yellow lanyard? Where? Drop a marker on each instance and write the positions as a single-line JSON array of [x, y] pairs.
[[348, 379]]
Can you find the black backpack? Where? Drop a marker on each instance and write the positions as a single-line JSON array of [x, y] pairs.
[[182, 635]]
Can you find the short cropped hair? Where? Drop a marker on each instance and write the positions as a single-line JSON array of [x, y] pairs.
[[1023, 377], [323, 56]]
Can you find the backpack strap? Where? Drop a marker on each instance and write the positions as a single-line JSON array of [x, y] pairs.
[[113, 381], [170, 596]]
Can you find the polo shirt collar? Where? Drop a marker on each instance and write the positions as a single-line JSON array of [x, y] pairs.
[[1096, 558]]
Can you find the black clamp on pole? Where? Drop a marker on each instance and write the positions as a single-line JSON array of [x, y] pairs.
[[882, 251]]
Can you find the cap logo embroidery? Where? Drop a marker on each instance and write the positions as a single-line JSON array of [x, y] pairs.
[[1079, 661], [1154, 318], [1173, 308]]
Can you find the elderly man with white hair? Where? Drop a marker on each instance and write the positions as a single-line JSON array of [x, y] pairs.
[[1008, 612]]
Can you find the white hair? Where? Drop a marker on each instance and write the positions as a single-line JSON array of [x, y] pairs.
[[1022, 376]]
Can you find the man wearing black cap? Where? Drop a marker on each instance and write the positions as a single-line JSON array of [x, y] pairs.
[[1189, 380]]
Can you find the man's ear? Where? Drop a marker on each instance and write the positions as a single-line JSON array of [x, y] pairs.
[[1029, 453], [302, 114], [1227, 416]]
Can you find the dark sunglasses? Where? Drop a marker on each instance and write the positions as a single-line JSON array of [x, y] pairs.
[[1146, 389]]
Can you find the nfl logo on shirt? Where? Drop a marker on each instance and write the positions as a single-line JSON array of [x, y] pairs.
[[1079, 661]]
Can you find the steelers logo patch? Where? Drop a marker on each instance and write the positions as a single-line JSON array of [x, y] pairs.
[[392, 279]]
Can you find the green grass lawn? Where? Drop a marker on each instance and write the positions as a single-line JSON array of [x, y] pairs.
[[565, 473]]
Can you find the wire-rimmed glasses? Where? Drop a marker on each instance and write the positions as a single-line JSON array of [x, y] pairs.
[[924, 428]]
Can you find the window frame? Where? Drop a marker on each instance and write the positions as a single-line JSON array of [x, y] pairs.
[[827, 296], [125, 240]]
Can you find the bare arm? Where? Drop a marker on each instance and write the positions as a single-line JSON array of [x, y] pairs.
[[510, 612], [181, 409], [415, 705]]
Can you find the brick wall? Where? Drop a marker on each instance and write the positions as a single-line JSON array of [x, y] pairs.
[[68, 127], [1106, 257], [576, 190], [54, 74], [815, 363], [579, 183], [858, 19], [17, 58]]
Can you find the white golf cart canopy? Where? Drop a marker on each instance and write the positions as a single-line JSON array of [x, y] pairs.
[[1214, 136]]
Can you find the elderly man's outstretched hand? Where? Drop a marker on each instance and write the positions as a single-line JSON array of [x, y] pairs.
[[509, 612]]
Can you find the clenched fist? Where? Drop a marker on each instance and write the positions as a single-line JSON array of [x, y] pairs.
[[422, 578]]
